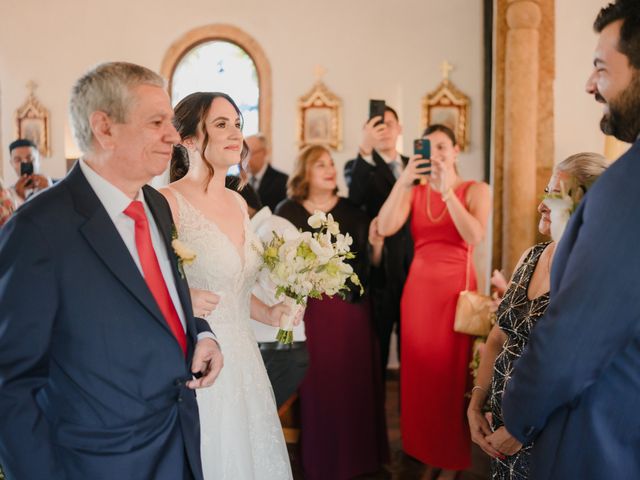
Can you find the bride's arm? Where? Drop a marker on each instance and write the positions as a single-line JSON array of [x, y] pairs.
[[261, 312]]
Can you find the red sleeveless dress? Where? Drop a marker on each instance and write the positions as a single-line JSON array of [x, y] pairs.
[[434, 366]]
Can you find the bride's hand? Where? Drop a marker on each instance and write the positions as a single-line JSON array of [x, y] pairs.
[[204, 302], [275, 312]]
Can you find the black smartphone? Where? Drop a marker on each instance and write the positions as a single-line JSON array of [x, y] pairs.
[[376, 109], [26, 168], [422, 147]]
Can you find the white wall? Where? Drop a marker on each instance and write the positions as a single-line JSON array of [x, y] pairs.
[[371, 48], [577, 115]]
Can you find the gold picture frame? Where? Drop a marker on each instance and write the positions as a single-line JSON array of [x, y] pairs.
[[320, 118], [448, 106], [32, 123]]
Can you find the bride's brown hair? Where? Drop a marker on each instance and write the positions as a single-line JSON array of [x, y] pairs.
[[190, 118]]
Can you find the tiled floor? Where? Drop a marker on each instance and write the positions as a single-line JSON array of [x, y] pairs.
[[402, 467]]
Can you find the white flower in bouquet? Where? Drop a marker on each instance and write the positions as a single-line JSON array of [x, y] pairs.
[[305, 264]]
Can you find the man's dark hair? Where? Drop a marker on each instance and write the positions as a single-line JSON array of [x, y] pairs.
[[21, 142], [629, 12], [387, 108]]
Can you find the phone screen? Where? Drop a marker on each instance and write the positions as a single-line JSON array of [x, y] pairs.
[[422, 147], [376, 109], [26, 168]]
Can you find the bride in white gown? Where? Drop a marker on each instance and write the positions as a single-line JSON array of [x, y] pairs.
[[240, 430]]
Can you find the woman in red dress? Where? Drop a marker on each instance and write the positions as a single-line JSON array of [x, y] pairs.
[[448, 216]]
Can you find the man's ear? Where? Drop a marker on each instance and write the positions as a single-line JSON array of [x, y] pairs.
[[102, 128]]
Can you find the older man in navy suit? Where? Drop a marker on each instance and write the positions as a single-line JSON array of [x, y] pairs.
[[98, 343], [576, 388]]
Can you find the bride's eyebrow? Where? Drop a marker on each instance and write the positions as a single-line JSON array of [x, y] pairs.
[[222, 118]]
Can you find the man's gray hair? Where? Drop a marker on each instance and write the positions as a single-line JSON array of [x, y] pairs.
[[106, 88]]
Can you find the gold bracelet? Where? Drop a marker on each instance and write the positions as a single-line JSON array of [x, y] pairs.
[[478, 387], [446, 195]]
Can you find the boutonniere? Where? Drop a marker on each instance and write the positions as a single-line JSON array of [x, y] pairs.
[[185, 255]]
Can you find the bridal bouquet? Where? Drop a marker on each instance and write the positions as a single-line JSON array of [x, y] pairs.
[[305, 264]]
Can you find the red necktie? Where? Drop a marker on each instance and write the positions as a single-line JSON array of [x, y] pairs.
[[153, 274]]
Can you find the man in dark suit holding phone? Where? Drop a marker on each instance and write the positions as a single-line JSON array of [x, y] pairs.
[[98, 343], [370, 178], [25, 160]]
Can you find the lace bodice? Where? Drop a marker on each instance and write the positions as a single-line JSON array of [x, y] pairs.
[[218, 266]]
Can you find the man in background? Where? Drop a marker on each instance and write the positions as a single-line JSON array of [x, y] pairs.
[[370, 178], [269, 183], [25, 160]]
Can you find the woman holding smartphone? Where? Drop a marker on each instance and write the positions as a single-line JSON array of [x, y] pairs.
[[448, 217]]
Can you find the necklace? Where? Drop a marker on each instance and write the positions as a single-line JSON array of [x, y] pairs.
[[323, 206], [429, 214]]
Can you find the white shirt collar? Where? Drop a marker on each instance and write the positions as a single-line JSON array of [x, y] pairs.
[[258, 176], [388, 160], [114, 200]]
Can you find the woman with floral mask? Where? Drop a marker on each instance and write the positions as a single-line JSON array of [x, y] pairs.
[[524, 302]]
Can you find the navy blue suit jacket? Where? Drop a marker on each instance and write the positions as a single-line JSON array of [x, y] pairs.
[[92, 381], [576, 388]]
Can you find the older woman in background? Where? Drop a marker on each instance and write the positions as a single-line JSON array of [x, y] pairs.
[[343, 427], [524, 302]]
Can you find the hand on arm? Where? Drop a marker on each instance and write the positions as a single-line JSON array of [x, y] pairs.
[[203, 301], [396, 208]]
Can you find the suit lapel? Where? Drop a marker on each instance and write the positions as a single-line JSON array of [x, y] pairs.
[[164, 221], [104, 239], [265, 182]]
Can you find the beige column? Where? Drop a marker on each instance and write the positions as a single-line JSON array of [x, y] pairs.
[[520, 137]]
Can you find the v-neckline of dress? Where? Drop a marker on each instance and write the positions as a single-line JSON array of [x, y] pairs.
[[239, 250]]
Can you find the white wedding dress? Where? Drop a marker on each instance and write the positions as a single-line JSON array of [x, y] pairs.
[[241, 434]]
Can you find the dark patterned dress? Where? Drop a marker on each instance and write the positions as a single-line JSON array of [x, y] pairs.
[[517, 315]]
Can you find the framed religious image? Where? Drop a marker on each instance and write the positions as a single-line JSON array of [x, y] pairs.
[[320, 118], [32, 123], [450, 107]]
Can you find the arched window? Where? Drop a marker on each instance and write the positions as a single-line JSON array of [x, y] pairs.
[[226, 59]]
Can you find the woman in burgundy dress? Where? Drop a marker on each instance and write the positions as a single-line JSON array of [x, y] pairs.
[[342, 416], [448, 216]]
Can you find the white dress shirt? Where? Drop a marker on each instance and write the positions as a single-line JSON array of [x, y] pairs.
[[255, 180], [115, 202], [264, 223]]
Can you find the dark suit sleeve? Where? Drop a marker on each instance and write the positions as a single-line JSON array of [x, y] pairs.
[[593, 316], [202, 326], [29, 299], [357, 174]]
